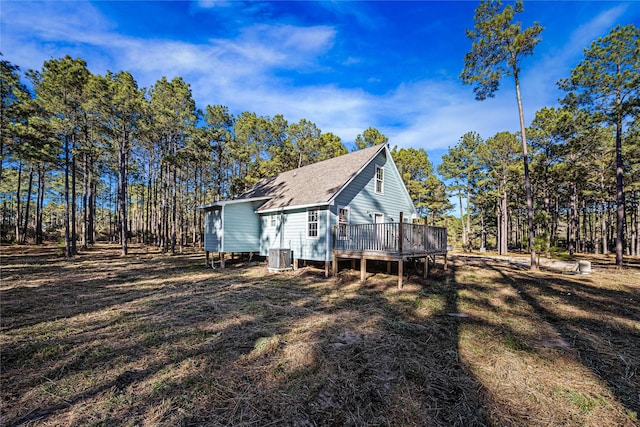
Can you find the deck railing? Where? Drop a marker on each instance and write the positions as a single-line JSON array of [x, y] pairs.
[[416, 238]]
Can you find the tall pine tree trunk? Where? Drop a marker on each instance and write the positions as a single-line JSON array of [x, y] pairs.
[[464, 230], [619, 190], [27, 205], [165, 211], [573, 215], [67, 204], [122, 190], [74, 202], [146, 227], [91, 219], [174, 210], [40, 204], [85, 201], [504, 222], [637, 223], [17, 225], [483, 230], [547, 204], [527, 181], [468, 215]]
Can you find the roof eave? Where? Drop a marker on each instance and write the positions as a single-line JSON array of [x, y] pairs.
[[229, 202], [289, 208]]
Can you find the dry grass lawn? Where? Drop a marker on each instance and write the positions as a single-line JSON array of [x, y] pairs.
[[152, 339]]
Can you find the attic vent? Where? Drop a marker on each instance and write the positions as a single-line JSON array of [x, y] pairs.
[[279, 260]]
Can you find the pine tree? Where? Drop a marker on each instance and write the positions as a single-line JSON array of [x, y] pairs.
[[497, 51]]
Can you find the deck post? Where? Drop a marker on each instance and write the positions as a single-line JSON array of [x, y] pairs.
[[327, 268], [334, 266], [426, 267], [400, 235], [353, 263], [445, 261], [295, 263], [388, 267], [221, 259], [206, 258], [400, 273], [363, 269]]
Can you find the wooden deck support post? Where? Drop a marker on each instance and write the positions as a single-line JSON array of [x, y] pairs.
[[388, 267], [400, 234], [221, 259], [400, 241], [353, 263], [334, 266], [327, 268], [363, 269], [206, 258], [445, 261], [426, 267]]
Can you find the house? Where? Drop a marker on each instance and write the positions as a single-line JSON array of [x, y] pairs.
[[305, 211]]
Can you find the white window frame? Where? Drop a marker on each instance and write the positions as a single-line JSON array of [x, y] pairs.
[[273, 221], [311, 222], [343, 220], [379, 180]]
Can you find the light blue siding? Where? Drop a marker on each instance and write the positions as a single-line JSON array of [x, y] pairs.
[[213, 230], [292, 226], [241, 227], [303, 246], [271, 231], [363, 201]]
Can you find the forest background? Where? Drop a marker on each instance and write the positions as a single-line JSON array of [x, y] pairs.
[[87, 157]]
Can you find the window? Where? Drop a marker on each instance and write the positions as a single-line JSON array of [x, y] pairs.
[[312, 223], [379, 180], [343, 221], [272, 220]]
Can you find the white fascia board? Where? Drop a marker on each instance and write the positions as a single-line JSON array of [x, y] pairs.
[[290, 208], [229, 202]]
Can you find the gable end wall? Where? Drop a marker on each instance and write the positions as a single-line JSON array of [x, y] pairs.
[[364, 202]]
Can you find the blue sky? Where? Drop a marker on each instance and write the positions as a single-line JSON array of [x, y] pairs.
[[342, 65]]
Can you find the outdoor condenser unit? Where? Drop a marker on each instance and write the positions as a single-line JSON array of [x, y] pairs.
[[279, 260]]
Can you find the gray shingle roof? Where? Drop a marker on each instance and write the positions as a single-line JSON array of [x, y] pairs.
[[314, 184]]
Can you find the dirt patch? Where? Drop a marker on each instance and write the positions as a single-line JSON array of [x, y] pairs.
[[163, 340]]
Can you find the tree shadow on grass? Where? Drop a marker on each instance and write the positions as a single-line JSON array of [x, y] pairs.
[[602, 325], [243, 346], [53, 289], [240, 347]]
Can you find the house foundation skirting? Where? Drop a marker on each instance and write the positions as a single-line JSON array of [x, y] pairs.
[[389, 257]]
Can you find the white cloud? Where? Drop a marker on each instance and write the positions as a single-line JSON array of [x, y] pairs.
[[239, 73], [582, 36], [243, 73], [544, 71]]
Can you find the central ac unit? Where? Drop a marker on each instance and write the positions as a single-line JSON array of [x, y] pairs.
[[279, 260]]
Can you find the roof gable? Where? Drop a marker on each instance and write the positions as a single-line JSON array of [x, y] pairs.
[[314, 184]]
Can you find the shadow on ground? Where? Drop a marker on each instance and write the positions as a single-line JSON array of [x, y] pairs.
[[164, 340]]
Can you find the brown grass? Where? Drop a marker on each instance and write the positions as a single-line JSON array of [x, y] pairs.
[[152, 339]]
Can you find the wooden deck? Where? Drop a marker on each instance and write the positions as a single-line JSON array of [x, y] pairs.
[[396, 241]]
